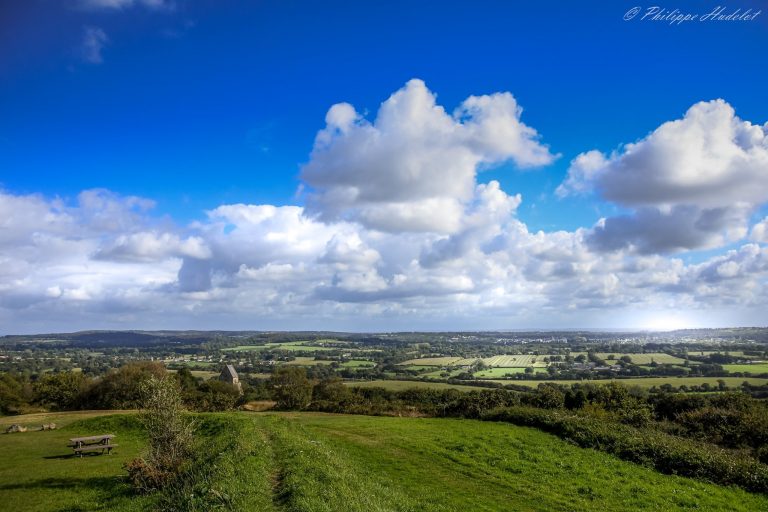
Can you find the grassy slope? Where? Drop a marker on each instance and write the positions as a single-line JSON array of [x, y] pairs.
[[316, 462], [39, 473]]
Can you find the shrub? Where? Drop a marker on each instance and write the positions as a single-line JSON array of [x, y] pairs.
[[170, 435]]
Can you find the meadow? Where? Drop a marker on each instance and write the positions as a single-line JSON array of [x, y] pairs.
[[400, 385], [500, 361], [496, 373], [647, 382], [755, 369], [318, 462]]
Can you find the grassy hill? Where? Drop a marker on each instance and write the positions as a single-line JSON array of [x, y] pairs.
[[317, 462]]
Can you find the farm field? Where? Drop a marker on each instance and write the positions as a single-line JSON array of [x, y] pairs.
[[643, 359], [307, 361], [358, 363], [734, 353], [495, 373], [645, 382], [756, 368], [502, 361], [515, 361], [399, 385], [306, 462], [437, 374], [637, 358], [246, 348], [432, 361]]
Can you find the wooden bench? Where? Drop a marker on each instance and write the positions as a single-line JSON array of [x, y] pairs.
[[92, 444]]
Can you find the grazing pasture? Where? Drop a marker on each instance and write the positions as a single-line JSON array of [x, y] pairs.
[[642, 359], [645, 382], [399, 385], [307, 361], [433, 361], [358, 363], [756, 368], [495, 373]]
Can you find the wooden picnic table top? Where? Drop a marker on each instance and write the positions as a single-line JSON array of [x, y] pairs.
[[91, 438]]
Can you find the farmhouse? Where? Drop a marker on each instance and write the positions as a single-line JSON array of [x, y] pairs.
[[229, 375]]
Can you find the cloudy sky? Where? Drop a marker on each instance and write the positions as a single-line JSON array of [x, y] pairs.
[[380, 166]]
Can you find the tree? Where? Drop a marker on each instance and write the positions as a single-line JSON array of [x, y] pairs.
[[331, 390], [292, 389], [549, 396], [14, 393], [60, 391], [121, 388]]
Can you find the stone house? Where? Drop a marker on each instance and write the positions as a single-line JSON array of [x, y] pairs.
[[229, 375]]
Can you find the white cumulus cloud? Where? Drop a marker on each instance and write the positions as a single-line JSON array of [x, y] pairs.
[[692, 183], [413, 168]]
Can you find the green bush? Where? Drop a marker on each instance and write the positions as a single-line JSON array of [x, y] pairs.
[[170, 432]]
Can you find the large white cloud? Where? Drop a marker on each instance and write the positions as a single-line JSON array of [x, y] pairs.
[[413, 168], [443, 254], [104, 261], [692, 182]]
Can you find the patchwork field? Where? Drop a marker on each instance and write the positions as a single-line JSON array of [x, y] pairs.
[[323, 463]]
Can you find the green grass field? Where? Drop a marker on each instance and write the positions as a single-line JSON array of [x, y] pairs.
[[502, 361], [302, 462], [421, 368], [432, 361], [498, 373], [399, 385], [307, 361], [757, 368], [641, 359], [245, 348], [646, 382], [515, 361], [358, 363]]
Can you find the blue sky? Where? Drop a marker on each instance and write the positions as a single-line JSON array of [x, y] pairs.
[[196, 105]]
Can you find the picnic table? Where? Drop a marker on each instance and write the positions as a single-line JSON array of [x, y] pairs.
[[92, 444]]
